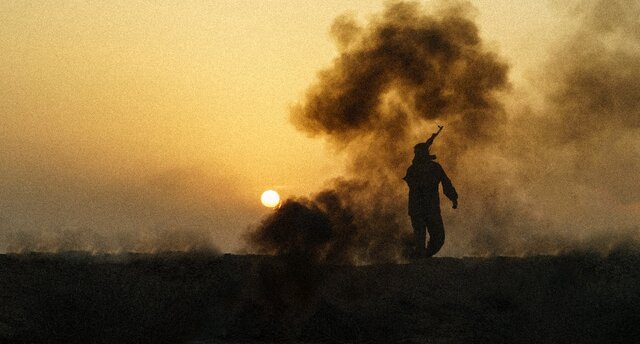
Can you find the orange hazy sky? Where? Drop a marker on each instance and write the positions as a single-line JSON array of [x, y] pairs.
[[97, 96]]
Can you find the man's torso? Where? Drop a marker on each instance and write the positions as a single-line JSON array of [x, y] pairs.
[[423, 179]]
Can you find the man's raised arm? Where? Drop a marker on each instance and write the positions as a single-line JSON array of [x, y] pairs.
[[433, 136]]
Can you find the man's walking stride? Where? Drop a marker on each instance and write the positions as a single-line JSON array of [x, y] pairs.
[[424, 177]]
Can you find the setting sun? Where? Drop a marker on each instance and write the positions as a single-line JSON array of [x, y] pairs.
[[270, 199]]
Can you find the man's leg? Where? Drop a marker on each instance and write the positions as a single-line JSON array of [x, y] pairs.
[[419, 235], [436, 233]]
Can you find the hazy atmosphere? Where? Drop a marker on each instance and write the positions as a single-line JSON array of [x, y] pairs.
[[156, 126]]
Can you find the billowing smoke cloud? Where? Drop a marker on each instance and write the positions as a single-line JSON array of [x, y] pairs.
[[404, 70], [406, 67], [530, 182]]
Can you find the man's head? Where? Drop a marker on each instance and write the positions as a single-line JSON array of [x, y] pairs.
[[421, 150]]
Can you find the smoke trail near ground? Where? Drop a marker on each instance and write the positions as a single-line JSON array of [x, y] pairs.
[[531, 182], [55, 208]]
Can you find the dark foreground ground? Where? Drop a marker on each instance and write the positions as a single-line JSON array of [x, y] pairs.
[[200, 298]]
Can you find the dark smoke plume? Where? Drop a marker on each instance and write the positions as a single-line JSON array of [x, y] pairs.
[[532, 181], [404, 70]]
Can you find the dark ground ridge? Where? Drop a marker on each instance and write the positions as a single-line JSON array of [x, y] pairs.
[[77, 297]]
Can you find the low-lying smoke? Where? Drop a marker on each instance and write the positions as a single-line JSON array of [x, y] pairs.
[[49, 207]]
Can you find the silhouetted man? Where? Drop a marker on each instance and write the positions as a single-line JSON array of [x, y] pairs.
[[423, 177]]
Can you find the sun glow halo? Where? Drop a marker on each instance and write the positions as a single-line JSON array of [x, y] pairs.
[[270, 199]]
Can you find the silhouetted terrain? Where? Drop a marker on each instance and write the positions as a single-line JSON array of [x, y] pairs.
[[175, 298]]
